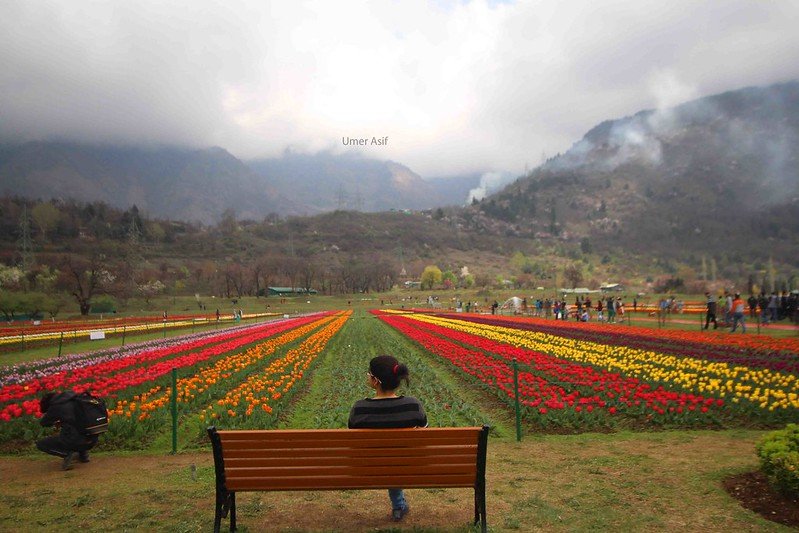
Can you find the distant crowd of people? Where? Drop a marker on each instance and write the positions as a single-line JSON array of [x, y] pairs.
[[768, 308]]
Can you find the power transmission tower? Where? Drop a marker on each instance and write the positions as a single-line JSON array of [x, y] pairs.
[[403, 272], [358, 200], [25, 243], [342, 198], [134, 233], [134, 244]]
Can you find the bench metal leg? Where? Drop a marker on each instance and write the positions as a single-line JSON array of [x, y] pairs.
[[480, 508], [225, 503], [233, 511], [217, 516]]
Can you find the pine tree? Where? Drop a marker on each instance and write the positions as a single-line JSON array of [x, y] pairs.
[[25, 244]]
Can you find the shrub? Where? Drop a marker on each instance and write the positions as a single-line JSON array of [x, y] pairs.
[[779, 459], [104, 303]]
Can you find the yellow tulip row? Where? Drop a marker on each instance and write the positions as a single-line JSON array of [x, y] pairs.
[[764, 388], [84, 332]]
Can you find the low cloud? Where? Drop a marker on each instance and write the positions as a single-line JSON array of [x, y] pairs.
[[456, 86]]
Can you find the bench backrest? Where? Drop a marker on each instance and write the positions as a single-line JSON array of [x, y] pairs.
[[328, 459]]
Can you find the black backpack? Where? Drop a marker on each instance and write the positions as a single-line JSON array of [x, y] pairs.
[[91, 415]]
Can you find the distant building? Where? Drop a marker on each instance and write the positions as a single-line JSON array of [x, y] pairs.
[[578, 290], [288, 291], [609, 287]]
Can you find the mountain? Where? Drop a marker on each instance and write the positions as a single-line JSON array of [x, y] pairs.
[[718, 175], [325, 182], [199, 185], [177, 183]]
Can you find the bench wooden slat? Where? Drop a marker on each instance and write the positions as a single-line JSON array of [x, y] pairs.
[[468, 450], [284, 472], [258, 460], [352, 434], [344, 443], [347, 482]]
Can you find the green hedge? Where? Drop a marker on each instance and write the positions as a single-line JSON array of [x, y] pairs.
[[779, 459]]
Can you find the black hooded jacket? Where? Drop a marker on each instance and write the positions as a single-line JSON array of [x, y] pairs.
[[62, 409]]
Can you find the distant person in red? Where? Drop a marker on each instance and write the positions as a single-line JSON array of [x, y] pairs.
[[737, 309]]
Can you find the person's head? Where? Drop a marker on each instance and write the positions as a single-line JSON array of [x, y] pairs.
[[44, 402], [387, 372]]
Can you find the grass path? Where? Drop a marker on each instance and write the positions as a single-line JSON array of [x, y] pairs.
[[340, 379], [623, 481]]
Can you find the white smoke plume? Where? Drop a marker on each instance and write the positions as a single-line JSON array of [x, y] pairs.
[[489, 182]]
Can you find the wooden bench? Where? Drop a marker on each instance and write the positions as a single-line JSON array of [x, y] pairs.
[[341, 459]]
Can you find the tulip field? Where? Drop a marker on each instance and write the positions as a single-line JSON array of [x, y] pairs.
[[608, 376], [306, 371]]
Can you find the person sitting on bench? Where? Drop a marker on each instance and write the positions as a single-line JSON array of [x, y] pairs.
[[387, 410]]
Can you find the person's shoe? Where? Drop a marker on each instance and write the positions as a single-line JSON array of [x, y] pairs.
[[398, 514], [83, 457], [67, 464]]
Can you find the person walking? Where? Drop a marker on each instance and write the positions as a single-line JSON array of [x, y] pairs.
[[711, 306], [611, 310], [388, 410], [752, 302], [58, 409], [738, 306], [772, 307]]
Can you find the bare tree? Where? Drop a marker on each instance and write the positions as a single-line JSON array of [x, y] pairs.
[[574, 275], [84, 277]]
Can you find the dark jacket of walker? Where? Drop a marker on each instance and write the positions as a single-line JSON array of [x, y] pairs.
[[62, 409]]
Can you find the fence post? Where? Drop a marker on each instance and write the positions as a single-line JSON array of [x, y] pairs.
[[60, 343], [174, 401], [516, 400]]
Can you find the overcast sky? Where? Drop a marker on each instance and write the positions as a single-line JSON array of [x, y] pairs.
[[456, 86]]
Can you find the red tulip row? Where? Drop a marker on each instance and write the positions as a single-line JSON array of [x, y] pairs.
[[105, 378], [549, 383]]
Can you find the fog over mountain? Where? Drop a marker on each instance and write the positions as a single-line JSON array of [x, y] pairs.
[[456, 87], [200, 185], [717, 175]]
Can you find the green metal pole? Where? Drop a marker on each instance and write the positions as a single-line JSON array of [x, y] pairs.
[[516, 400], [174, 402], [124, 328], [60, 343], [165, 329]]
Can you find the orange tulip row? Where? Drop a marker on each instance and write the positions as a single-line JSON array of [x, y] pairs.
[[263, 390], [191, 386]]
